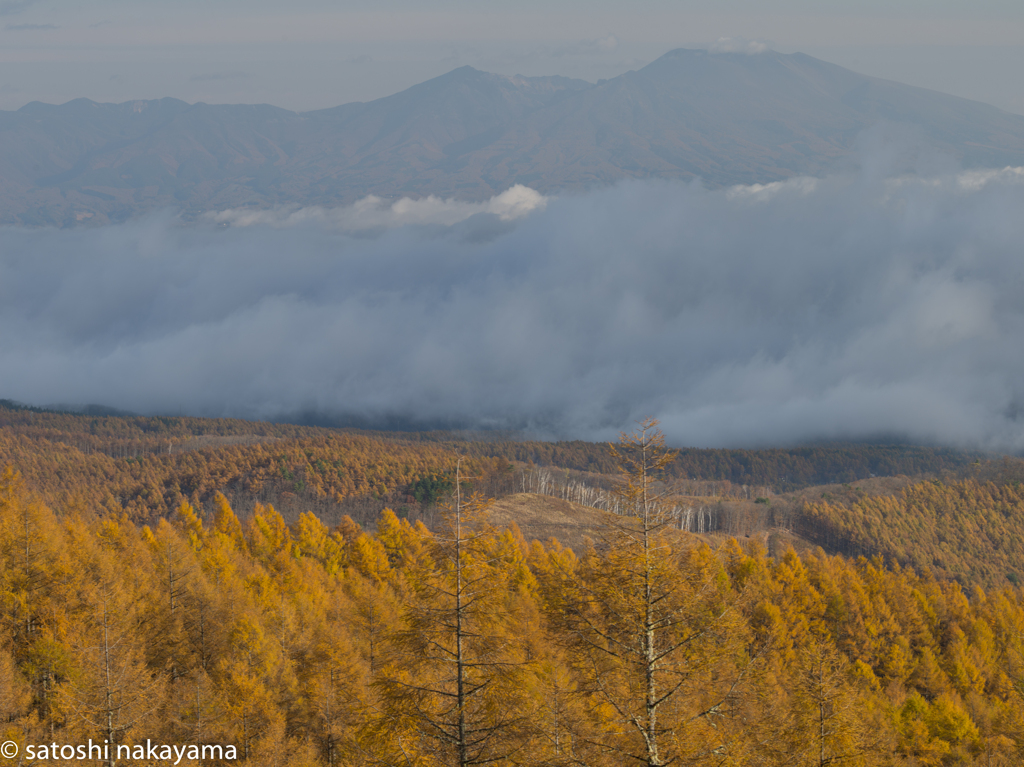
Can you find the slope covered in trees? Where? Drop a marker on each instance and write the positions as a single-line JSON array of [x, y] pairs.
[[782, 469], [970, 530], [146, 466], [310, 645], [318, 472]]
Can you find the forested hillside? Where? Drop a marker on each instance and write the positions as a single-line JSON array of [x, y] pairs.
[[969, 530], [780, 469], [307, 645], [146, 466], [169, 598], [968, 525]]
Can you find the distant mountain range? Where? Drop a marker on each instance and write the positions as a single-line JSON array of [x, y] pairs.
[[723, 117]]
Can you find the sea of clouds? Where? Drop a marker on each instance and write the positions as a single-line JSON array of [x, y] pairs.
[[855, 306]]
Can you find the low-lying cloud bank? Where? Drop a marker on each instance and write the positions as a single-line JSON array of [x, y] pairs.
[[845, 307]]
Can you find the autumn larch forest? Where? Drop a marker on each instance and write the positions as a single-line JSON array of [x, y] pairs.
[[323, 597]]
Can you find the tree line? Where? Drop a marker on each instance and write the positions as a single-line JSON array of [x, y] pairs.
[[147, 465]]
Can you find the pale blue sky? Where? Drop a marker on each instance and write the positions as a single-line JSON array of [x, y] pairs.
[[308, 54]]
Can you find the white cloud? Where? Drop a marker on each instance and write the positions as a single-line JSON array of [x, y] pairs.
[[845, 307], [799, 185], [597, 46], [375, 213], [739, 45]]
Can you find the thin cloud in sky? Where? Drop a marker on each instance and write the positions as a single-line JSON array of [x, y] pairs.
[[739, 45], [14, 7], [596, 47], [215, 76], [30, 27]]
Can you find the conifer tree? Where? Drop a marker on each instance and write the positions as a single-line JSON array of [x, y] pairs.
[[111, 694], [828, 710], [654, 627], [453, 693]]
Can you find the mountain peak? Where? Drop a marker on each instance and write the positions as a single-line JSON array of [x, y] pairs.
[[724, 115]]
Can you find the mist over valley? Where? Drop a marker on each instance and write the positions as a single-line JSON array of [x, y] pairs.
[[758, 249], [854, 306]]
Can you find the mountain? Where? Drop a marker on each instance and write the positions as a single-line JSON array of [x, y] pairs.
[[737, 118], [723, 117]]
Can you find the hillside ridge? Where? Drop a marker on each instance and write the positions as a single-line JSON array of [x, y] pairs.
[[723, 118]]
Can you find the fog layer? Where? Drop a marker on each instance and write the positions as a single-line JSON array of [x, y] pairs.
[[849, 307]]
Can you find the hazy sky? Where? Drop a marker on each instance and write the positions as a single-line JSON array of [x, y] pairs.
[[308, 54]]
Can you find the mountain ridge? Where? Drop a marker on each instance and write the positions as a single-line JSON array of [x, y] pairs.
[[724, 118]]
